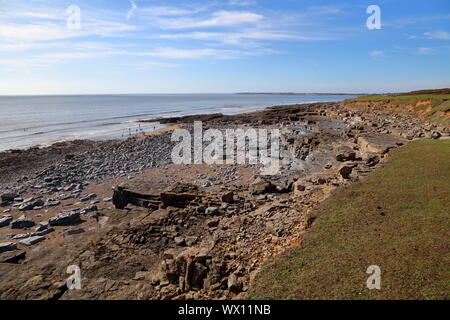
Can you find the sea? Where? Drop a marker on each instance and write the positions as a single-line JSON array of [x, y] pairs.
[[29, 121]]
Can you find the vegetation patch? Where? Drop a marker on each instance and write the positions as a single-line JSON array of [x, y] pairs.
[[397, 219]]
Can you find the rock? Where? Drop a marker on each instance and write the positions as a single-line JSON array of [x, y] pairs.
[[14, 256], [22, 223], [91, 208], [378, 143], [260, 186], [346, 155], [44, 232], [179, 241], [228, 197], [212, 223], [65, 218], [5, 221], [109, 199], [298, 187], [435, 135], [234, 285], [72, 232], [345, 171], [212, 210], [26, 206], [8, 197], [23, 236], [88, 197], [7, 246], [32, 240], [51, 203], [30, 204]]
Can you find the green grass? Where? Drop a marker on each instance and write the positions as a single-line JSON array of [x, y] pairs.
[[439, 102], [403, 97], [397, 218]]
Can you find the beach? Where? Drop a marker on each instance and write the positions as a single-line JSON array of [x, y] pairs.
[[207, 229]]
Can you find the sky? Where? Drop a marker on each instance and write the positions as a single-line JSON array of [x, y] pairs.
[[209, 46]]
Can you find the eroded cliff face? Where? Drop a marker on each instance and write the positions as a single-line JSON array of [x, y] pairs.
[[430, 110]]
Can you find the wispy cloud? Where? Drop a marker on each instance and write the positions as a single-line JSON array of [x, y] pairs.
[[376, 53], [217, 19], [441, 35], [425, 50]]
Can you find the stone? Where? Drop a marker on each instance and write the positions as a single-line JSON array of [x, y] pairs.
[[44, 232], [22, 223], [228, 197], [32, 240], [260, 186], [179, 241], [212, 223], [345, 171], [212, 210], [5, 221], [234, 285], [379, 143], [14, 256], [65, 218], [91, 208], [7, 246], [298, 187], [8, 197], [88, 197], [345, 155], [72, 232]]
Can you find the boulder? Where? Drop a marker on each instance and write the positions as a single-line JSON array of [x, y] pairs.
[[260, 186], [228, 197], [8, 197], [65, 218], [12, 256], [88, 197], [7, 246], [378, 143], [234, 285], [5, 221], [345, 171], [32, 240], [345, 155], [22, 223], [212, 210], [72, 232]]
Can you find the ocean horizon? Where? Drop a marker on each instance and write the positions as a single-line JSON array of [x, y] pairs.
[[41, 120]]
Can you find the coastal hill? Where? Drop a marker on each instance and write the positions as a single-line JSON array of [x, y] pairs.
[[428, 105]]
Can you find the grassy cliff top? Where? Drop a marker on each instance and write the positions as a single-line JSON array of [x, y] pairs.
[[397, 219]]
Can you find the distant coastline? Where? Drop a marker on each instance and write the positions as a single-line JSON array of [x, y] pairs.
[[306, 94]]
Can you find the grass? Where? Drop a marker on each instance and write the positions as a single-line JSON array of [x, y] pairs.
[[434, 111], [397, 219], [404, 97]]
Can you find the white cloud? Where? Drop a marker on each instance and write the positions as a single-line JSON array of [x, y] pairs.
[[425, 50], [174, 53], [150, 65], [218, 19], [441, 35], [238, 37], [376, 53]]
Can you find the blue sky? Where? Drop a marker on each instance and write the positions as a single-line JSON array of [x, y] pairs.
[[152, 46]]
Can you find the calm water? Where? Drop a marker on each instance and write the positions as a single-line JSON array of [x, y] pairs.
[[27, 121]]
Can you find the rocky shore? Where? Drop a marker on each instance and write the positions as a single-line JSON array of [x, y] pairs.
[[189, 231]]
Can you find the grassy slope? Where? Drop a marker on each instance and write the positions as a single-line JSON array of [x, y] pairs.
[[439, 102], [397, 218]]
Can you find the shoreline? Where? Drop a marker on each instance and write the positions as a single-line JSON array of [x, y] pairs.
[[238, 220], [137, 121]]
